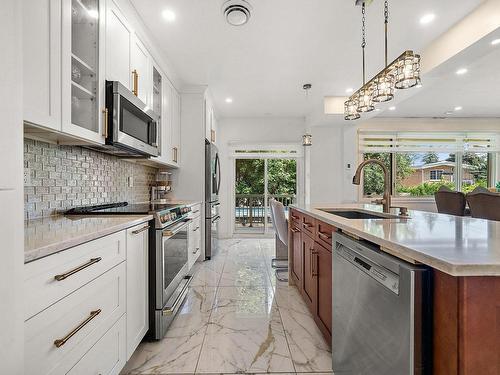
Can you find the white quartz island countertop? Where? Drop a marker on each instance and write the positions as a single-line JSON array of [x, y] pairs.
[[458, 246], [43, 237]]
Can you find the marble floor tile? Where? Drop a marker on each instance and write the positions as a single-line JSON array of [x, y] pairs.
[[245, 336], [309, 350], [178, 352], [237, 319]]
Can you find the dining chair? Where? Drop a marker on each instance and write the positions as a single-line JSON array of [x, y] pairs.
[[484, 204], [450, 202]]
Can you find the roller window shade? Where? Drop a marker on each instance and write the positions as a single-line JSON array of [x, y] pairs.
[[372, 141]]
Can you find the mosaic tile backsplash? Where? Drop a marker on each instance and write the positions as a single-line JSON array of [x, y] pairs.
[[62, 177]]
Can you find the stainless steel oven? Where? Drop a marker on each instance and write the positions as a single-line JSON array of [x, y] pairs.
[[131, 126], [172, 279]]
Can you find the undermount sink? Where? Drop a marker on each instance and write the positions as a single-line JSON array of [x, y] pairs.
[[357, 214]]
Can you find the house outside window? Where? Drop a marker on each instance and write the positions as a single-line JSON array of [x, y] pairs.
[[437, 174]]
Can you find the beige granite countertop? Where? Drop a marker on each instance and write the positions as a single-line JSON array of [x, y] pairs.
[[459, 246], [43, 237]]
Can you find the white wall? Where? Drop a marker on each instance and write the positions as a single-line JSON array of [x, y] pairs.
[[11, 191], [249, 130], [325, 165]]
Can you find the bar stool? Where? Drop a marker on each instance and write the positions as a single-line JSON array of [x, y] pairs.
[[450, 202], [484, 204], [280, 263]]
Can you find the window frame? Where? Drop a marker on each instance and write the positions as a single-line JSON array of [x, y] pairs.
[[493, 160]]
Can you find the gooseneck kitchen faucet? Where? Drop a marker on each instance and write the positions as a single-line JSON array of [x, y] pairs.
[[386, 200]]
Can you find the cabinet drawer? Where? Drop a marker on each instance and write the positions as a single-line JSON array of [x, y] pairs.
[[324, 234], [296, 219], [42, 289], [79, 320], [107, 356], [309, 225]]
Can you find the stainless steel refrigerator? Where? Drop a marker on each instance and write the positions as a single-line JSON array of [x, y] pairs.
[[212, 187]]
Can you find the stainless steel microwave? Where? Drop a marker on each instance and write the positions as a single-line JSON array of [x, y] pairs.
[[131, 127]]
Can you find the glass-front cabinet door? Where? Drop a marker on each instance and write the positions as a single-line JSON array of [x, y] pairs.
[[82, 73]]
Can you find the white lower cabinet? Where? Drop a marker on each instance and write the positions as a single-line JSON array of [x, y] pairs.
[[93, 320], [59, 336], [137, 286], [107, 356], [194, 240]]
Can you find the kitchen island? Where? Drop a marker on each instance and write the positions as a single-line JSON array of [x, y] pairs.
[[463, 253]]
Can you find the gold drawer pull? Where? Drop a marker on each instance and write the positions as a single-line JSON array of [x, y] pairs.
[[77, 269], [295, 230], [60, 342], [307, 225], [324, 235], [140, 230], [295, 217]]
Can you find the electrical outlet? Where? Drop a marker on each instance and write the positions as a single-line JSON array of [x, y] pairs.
[[27, 176], [130, 181]]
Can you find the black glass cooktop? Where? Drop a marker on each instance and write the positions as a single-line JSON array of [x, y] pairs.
[[122, 208]]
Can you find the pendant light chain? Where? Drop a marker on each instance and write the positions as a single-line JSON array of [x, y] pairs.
[[363, 41], [386, 24]]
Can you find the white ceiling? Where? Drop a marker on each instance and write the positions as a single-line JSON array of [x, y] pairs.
[[477, 91], [287, 43]]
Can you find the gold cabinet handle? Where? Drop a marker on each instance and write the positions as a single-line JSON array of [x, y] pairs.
[[105, 112], [324, 235], [60, 342], [307, 225], [137, 231], [77, 269], [135, 82], [315, 259], [295, 230], [295, 217], [174, 157]]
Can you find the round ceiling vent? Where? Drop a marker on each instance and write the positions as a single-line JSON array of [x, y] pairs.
[[237, 12]]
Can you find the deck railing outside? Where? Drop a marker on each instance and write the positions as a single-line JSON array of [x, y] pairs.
[[251, 211]]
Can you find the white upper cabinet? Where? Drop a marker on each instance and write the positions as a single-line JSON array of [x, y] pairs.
[[82, 69], [118, 41], [141, 70], [42, 62], [210, 120], [176, 128]]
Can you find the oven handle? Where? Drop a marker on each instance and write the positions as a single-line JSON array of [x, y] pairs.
[[170, 310], [171, 232]]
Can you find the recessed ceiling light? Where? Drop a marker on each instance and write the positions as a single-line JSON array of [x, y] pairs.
[[458, 108], [428, 18], [349, 90], [495, 42], [461, 71], [229, 100], [168, 15], [392, 108]]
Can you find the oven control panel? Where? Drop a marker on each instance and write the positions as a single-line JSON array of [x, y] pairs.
[[166, 217]]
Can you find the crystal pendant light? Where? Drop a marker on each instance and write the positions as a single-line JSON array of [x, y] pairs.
[[365, 100], [351, 110], [407, 71], [383, 90]]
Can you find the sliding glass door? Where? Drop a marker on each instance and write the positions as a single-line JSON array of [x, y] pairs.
[[257, 181]]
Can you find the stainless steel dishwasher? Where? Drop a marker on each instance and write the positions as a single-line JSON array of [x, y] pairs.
[[381, 319]]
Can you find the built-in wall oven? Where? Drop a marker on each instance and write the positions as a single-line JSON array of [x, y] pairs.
[[131, 127]]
